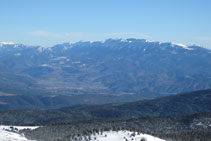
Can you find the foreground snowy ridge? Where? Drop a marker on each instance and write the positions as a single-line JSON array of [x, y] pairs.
[[122, 136], [11, 136], [7, 134], [10, 133]]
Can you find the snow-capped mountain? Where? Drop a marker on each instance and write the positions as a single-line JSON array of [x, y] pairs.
[[113, 66]]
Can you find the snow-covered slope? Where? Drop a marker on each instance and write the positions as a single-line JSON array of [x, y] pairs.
[[11, 136], [10, 133], [122, 136]]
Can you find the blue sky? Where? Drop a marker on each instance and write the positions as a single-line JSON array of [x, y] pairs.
[[48, 22]]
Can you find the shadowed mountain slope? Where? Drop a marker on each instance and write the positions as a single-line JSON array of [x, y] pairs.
[[182, 104]]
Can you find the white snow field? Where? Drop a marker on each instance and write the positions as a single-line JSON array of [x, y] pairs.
[[123, 136], [10, 136], [6, 133]]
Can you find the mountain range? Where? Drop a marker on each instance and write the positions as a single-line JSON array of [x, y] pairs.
[[117, 67]]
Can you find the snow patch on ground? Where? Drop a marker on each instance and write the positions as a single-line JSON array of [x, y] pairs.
[[7, 43], [11, 136], [10, 133], [150, 41], [181, 45], [123, 40], [45, 65], [122, 136], [41, 49]]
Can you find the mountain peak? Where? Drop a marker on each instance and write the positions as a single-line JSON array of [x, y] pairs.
[[6, 43]]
